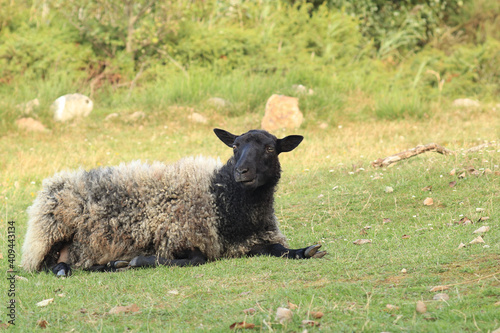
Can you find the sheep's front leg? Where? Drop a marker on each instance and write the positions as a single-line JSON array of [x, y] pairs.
[[278, 250], [194, 258]]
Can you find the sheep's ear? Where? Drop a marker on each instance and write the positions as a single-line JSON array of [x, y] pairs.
[[289, 143], [225, 136]]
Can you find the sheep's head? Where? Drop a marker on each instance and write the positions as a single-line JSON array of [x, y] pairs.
[[255, 156]]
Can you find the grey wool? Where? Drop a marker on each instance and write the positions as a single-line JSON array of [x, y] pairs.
[[171, 213]]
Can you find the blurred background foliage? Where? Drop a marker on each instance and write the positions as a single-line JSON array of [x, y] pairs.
[[398, 57]]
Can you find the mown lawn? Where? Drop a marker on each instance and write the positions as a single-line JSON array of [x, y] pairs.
[[329, 194]]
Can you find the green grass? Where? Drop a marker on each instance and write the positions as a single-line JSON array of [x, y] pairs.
[[328, 195]]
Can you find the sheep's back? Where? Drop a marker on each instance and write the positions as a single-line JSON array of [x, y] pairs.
[[132, 209]]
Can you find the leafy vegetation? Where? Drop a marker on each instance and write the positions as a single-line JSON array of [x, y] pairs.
[[118, 52]]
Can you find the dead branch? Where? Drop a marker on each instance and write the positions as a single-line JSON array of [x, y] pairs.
[[383, 162]]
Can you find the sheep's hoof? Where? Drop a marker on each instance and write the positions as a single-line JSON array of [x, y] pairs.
[[61, 270], [312, 252], [118, 264]]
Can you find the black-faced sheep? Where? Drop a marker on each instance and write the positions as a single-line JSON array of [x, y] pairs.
[[181, 214]]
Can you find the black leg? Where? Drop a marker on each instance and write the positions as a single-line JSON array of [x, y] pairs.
[[62, 269], [194, 258], [278, 250], [111, 266]]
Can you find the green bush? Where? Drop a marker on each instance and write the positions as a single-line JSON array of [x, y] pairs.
[[36, 52]]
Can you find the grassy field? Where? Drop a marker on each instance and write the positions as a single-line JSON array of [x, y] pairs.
[[329, 194]]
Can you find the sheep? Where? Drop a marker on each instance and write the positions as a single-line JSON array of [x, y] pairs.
[[144, 215]]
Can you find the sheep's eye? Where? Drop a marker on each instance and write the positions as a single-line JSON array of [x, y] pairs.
[[234, 147], [269, 149]]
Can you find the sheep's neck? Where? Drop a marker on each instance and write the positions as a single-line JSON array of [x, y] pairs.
[[242, 213]]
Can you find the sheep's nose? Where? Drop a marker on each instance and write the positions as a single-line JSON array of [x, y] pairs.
[[242, 170]]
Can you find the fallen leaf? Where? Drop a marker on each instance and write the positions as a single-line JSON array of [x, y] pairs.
[[310, 323], [421, 307], [452, 184], [124, 309], [283, 315], [439, 288], [391, 307], [462, 175], [452, 172], [477, 240], [428, 202], [386, 220], [1, 255], [363, 232], [497, 303], [484, 218], [20, 278], [292, 306], [61, 295], [249, 311], [488, 171], [406, 236], [464, 220], [461, 245], [388, 189], [481, 230], [245, 293], [427, 188], [45, 302], [496, 331], [316, 314], [42, 323], [404, 271], [242, 325], [441, 297], [362, 241], [173, 292]]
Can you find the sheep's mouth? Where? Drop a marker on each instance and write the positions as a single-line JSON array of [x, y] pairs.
[[247, 182]]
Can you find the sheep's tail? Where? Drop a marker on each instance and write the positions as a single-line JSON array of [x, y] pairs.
[[46, 224]]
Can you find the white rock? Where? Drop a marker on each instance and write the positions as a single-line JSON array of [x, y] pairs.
[[71, 106], [218, 102], [466, 103], [198, 118], [300, 89]]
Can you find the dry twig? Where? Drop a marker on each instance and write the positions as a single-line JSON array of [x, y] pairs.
[[383, 162]]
